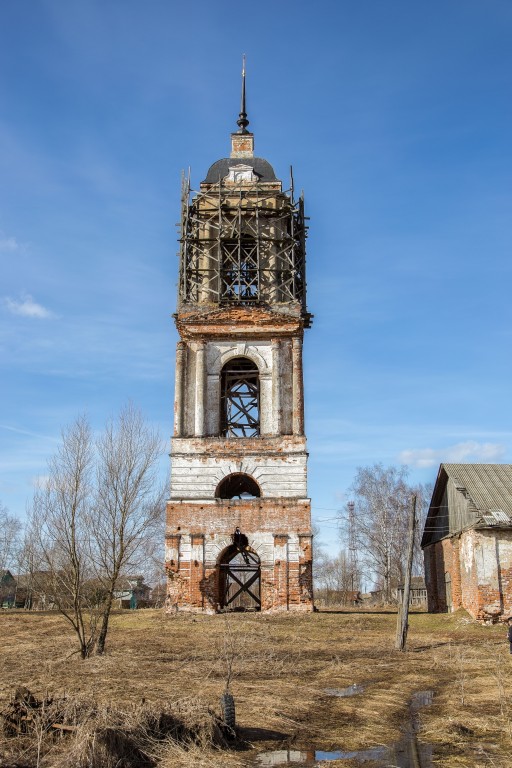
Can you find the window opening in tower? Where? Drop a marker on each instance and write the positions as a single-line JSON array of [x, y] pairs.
[[239, 271], [238, 486], [240, 415]]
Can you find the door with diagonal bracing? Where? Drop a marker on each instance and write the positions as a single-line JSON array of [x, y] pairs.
[[240, 580]]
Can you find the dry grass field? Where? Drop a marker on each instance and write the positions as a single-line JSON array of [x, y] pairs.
[[284, 668]]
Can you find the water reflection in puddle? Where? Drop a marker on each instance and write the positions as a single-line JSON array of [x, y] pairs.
[[406, 753], [343, 693], [312, 757], [421, 699], [375, 753], [285, 757]]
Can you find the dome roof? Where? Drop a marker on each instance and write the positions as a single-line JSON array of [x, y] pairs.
[[220, 169]]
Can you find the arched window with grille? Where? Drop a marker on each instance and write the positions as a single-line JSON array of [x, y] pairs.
[[240, 399]]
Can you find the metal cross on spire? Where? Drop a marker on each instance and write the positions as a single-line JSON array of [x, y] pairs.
[[242, 121]]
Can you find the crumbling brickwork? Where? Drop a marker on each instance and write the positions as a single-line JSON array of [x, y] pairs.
[[472, 570]]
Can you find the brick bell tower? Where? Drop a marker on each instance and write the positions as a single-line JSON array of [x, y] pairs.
[[238, 533]]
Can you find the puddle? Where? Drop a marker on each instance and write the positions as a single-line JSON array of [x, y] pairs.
[[280, 757], [421, 699], [344, 693], [406, 753], [285, 757], [375, 753]]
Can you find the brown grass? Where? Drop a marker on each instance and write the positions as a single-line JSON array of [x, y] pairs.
[[281, 667]]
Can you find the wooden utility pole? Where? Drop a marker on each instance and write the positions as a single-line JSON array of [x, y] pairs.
[[403, 610]]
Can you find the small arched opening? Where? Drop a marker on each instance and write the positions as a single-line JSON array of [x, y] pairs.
[[238, 486], [239, 576]]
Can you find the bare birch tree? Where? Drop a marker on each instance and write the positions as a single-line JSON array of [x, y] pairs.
[[58, 534], [91, 519], [128, 504], [10, 530], [27, 562], [382, 497], [336, 581]]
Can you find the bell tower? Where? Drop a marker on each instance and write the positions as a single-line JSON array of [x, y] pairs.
[[238, 533]]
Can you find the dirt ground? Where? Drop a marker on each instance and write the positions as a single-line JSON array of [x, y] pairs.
[[284, 671]]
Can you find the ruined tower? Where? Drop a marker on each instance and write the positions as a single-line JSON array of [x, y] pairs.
[[238, 533]]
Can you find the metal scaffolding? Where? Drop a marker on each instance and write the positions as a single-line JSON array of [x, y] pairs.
[[242, 244]]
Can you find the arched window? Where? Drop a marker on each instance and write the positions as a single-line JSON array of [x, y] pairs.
[[240, 407], [238, 486]]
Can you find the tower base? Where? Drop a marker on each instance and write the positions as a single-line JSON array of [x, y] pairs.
[[238, 555]]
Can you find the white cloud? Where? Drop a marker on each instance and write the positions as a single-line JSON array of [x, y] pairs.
[[27, 307], [460, 452], [8, 244], [39, 481]]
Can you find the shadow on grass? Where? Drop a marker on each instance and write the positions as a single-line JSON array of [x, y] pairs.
[[380, 612], [261, 734]]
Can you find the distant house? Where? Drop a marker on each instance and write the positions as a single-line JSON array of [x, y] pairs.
[[37, 591], [7, 589], [377, 597], [417, 593], [131, 592], [467, 541], [20, 591]]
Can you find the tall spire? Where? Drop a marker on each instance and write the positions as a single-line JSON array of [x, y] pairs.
[[242, 121]]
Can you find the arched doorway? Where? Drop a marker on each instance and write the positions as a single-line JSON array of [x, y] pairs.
[[239, 577]]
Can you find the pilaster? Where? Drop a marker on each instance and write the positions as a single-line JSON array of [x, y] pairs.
[[297, 388], [179, 387]]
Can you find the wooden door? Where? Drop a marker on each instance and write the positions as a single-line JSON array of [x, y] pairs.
[[240, 580]]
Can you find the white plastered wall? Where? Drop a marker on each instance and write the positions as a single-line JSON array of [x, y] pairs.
[[280, 471], [196, 475]]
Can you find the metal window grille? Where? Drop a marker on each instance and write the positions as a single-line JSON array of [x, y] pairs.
[[239, 271], [240, 399]]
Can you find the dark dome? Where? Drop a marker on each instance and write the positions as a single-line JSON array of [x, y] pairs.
[[220, 169]]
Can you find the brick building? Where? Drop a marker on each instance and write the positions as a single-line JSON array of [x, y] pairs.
[[238, 533], [467, 541]]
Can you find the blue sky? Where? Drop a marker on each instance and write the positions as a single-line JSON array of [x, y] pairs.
[[397, 118]]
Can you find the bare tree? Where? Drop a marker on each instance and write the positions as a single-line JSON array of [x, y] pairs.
[[152, 551], [128, 503], [382, 497], [318, 554], [58, 534], [92, 518], [27, 562], [10, 530], [336, 580]]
